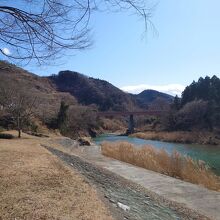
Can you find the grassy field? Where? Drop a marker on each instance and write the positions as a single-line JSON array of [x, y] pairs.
[[160, 161], [179, 137], [34, 184]]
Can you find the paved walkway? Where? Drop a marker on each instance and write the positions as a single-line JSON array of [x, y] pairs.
[[204, 201]]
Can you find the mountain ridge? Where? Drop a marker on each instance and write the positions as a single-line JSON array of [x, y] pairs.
[[76, 87], [149, 96]]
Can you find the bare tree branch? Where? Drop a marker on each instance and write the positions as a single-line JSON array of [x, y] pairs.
[[41, 29]]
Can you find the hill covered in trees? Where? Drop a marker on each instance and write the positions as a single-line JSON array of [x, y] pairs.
[[88, 90], [149, 96], [207, 89], [106, 96], [71, 95], [75, 99], [198, 107]]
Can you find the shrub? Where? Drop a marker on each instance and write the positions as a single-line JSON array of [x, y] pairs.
[[193, 114], [6, 136]]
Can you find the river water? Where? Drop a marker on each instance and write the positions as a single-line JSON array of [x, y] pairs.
[[208, 153]]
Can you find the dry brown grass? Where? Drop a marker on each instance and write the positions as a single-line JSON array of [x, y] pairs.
[[173, 165], [179, 137], [34, 184]]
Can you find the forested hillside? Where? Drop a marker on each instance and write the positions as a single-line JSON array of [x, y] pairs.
[[207, 89], [89, 91], [68, 101], [148, 97], [198, 108]]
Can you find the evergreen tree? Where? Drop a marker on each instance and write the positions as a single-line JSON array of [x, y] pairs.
[[176, 103], [62, 115]]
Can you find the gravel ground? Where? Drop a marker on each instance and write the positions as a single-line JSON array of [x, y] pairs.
[[142, 205]]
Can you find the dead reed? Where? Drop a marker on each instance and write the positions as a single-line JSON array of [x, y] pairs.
[[158, 160], [179, 136]]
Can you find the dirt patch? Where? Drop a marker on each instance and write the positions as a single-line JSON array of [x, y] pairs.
[[36, 185]]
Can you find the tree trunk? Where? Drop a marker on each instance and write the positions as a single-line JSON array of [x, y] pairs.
[[19, 128], [19, 133]]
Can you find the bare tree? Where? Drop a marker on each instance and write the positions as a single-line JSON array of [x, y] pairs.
[[192, 115], [80, 119], [42, 29], [18, 103], [159, 104]]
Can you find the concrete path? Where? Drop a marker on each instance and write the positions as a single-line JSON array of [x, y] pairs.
[[200, 199]]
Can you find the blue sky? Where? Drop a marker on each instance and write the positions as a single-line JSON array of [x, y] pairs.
[[186, 47]]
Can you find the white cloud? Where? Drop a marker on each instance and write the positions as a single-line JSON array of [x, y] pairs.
[[6, 51], [172, 89]]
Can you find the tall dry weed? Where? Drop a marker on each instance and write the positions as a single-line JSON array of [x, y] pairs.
[[158, 160], [179, 136]]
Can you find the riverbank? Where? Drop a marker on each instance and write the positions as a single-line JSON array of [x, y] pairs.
[[158, 160], [37, 185], [148, 194], [140, 202], [185, 137]]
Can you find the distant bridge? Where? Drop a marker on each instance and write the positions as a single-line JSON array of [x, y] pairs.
[[131, 114]]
